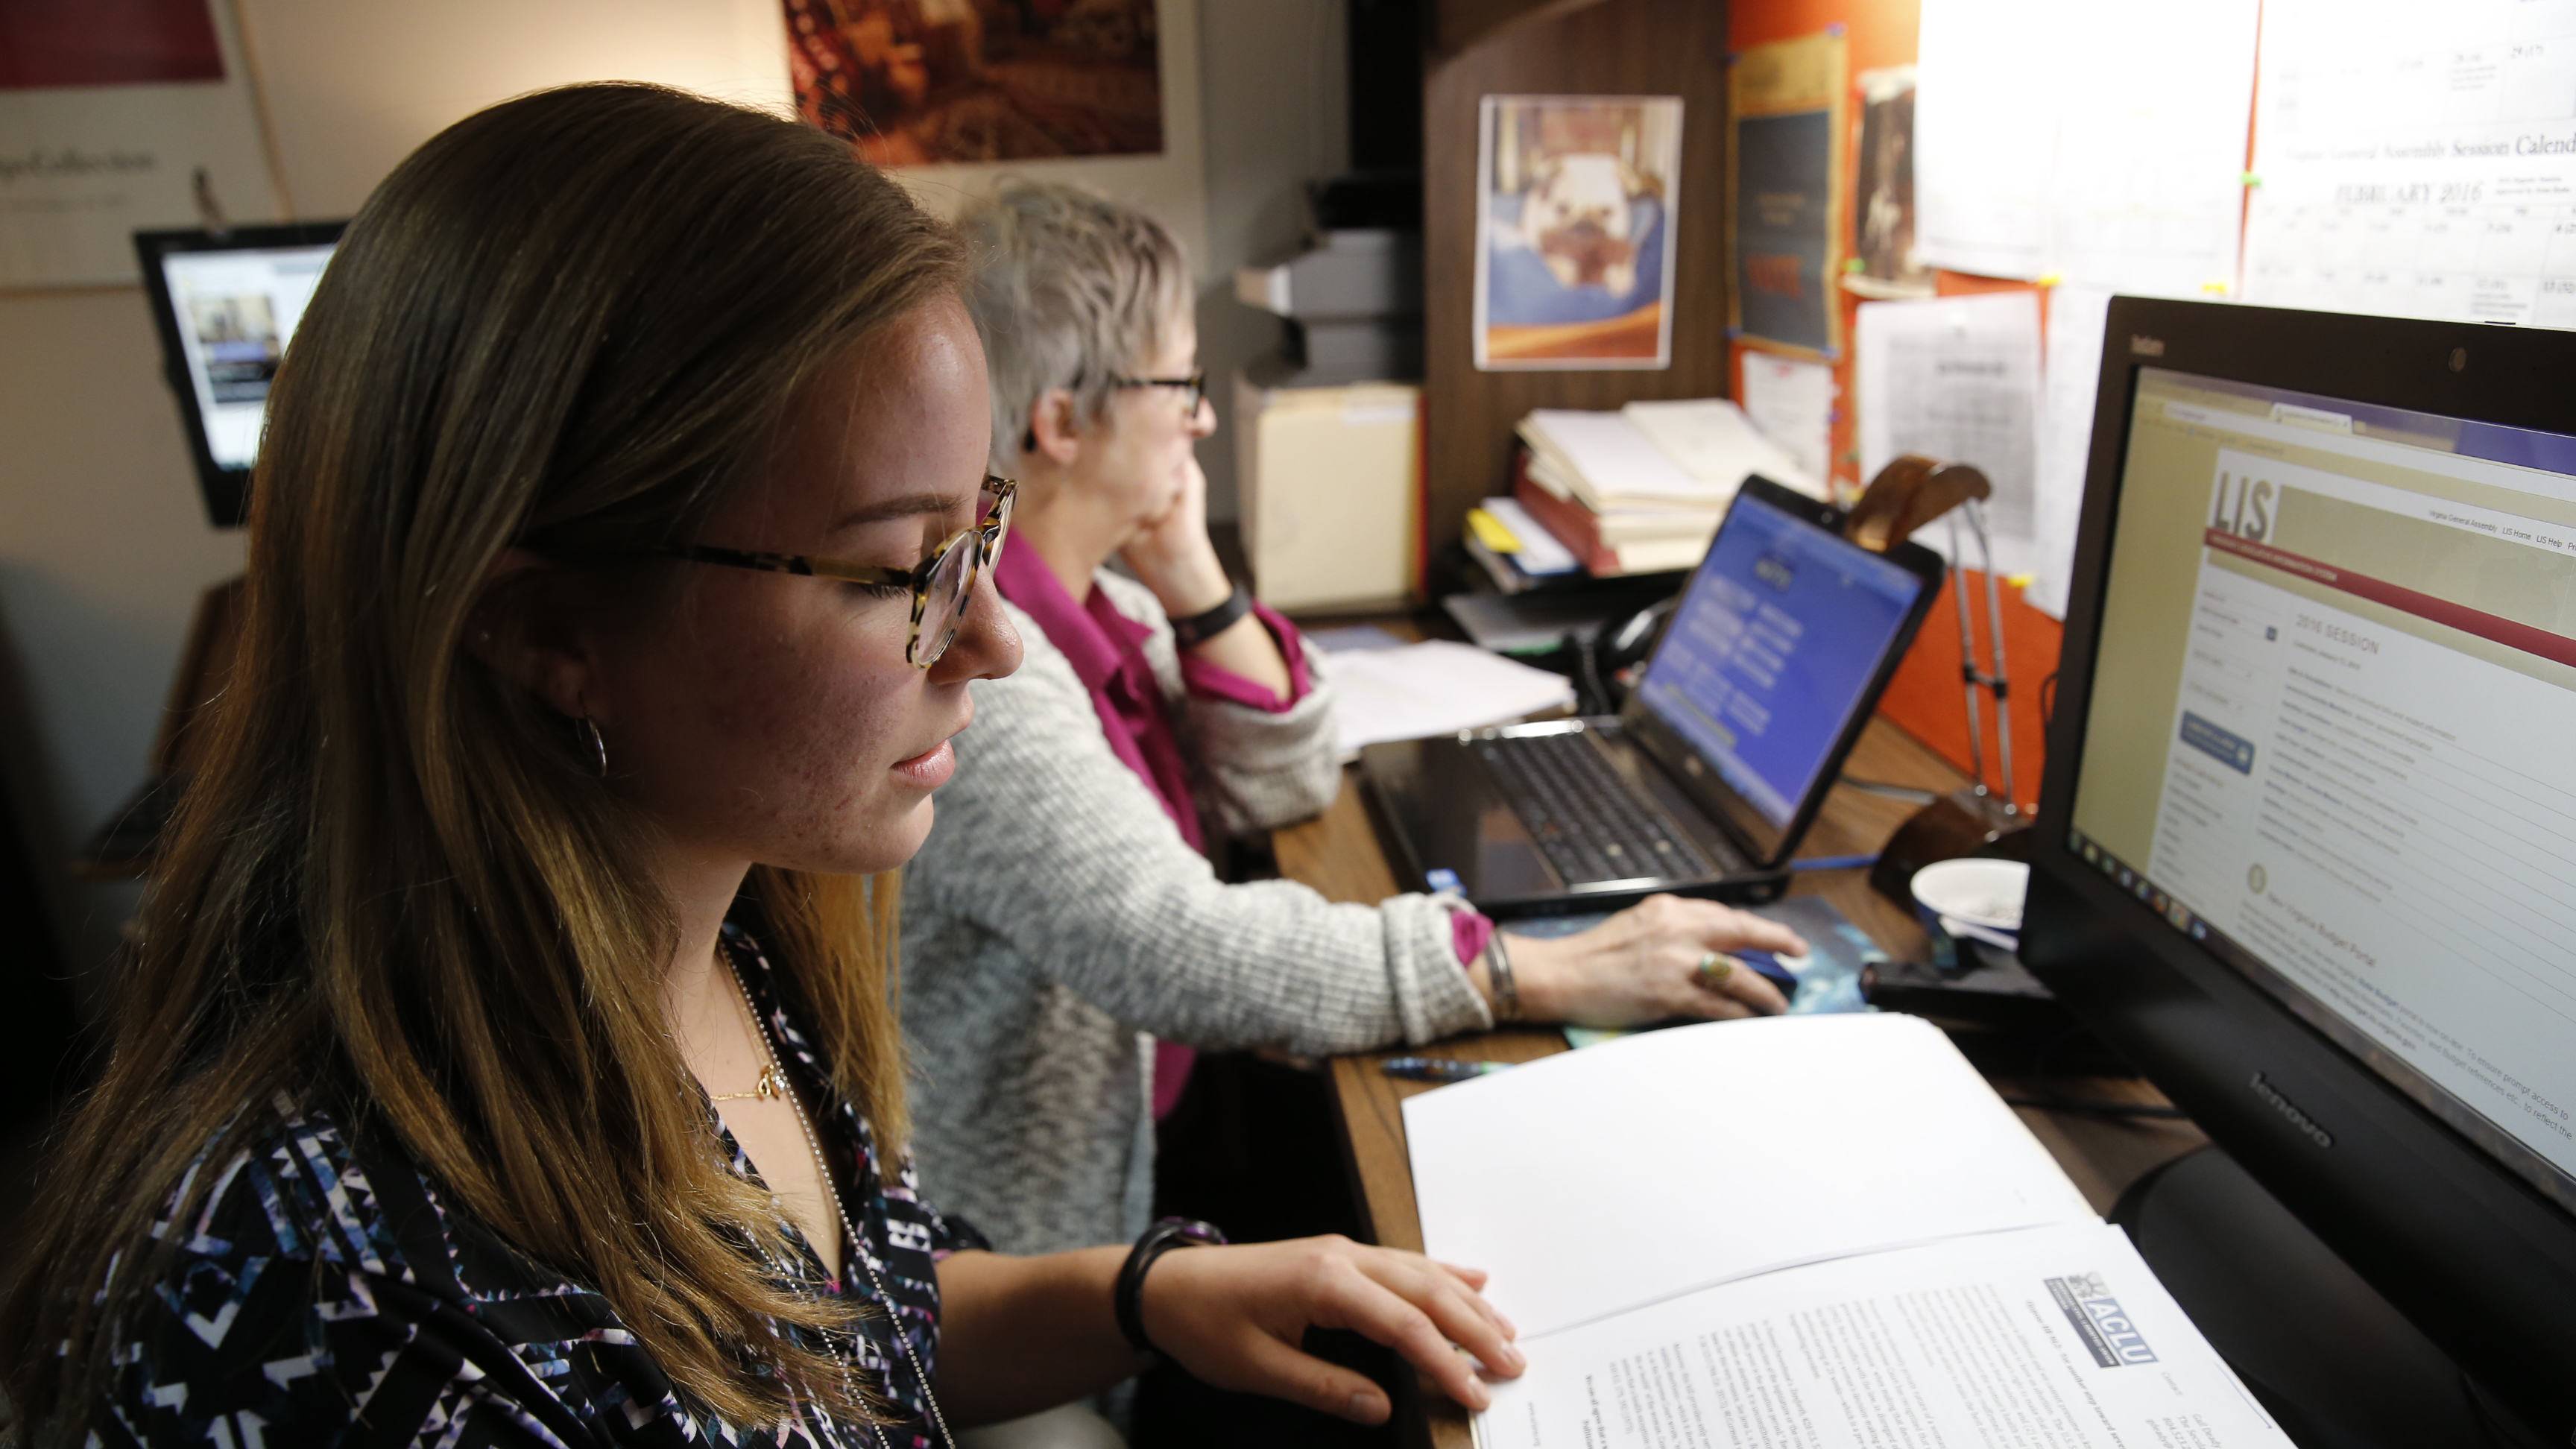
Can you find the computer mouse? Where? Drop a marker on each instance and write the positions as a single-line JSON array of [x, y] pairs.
[[1770, 968]]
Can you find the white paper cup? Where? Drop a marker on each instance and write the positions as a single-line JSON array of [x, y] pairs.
[[1977, 898]]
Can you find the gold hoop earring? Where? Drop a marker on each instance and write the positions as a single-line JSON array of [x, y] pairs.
[[598, 746]]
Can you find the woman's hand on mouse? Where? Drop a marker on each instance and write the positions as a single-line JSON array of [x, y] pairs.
[[1643, 965], [1234, 1317]]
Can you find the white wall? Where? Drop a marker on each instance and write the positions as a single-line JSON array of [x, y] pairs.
[[1277, 88], [103, 542]]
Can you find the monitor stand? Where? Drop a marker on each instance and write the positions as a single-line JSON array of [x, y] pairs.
[[2332, 1361]]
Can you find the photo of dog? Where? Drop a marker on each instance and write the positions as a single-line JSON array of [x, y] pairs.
[[1575, 255], [1578, 220]]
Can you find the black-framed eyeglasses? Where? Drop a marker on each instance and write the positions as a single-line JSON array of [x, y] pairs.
[[1195, 383], [940, 584]]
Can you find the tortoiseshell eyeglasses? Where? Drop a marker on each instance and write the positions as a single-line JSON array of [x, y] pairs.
[[940, 584]]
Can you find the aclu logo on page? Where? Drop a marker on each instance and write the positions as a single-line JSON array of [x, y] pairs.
[[2100, 1321]]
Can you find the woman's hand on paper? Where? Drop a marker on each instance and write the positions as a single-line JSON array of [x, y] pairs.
[[1234, 1317], [1643, 964]]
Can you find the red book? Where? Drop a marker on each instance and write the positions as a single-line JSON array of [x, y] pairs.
[[1571, 522]]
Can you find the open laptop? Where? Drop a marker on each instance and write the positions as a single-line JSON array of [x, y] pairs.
[[1705, 781]]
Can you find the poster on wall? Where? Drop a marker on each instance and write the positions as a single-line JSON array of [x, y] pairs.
[[1576, 199], [1786, 175], [918, 82], [1886, 266], [110, 115]]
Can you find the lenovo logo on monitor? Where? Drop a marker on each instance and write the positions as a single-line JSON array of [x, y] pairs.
[[2287, 1109]]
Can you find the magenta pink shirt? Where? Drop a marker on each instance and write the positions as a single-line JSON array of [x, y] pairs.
[[1107, 652]]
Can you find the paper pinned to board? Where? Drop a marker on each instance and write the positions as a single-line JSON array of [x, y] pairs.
[[2092, 141], [1957, 378], [2416, 160], [1792, 402], [1436, 687], [1985, 135], [2147, 195], [2073, 368]]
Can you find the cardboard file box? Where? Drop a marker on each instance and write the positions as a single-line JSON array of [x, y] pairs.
[[1329, 481]]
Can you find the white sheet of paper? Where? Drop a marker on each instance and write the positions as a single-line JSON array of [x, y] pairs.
[[1436, 687], [2417, 160], [1957, 378], [2073, 367], [1601, 1180], [1985, 135], [1716, 443], [1792, 402], [2147, 195], [2093, 139], [1943, 1344]]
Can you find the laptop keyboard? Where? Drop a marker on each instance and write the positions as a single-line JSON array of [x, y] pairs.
[[1584, 815]]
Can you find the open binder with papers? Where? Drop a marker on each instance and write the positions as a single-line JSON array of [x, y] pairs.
[[1802, 1231]]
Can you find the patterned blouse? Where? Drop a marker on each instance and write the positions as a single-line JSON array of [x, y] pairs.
[[328, 1295]]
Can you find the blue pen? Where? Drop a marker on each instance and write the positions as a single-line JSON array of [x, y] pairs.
[[1439, 1069]]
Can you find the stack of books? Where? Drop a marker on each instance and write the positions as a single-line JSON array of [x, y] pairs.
[[1641, 490]]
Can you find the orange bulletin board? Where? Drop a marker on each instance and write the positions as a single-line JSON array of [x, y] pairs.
[[1925, 698]]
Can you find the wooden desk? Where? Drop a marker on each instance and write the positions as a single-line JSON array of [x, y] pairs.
[[1338, 854]]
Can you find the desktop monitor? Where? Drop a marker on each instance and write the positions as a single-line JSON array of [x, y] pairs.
[[2306, 852], [226, 303]]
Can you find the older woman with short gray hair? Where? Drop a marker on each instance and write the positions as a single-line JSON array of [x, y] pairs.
[[1065, 942]]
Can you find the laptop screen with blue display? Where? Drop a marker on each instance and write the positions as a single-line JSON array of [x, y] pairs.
[[1773, 648]]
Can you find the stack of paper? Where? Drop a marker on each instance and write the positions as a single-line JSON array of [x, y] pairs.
[[1808, 1230], [1434, 688], [1641, 490]]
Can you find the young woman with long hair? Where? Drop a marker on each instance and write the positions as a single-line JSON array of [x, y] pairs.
[[508, 1054]]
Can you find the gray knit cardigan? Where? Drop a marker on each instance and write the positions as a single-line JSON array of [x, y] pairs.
[[1056, 923]]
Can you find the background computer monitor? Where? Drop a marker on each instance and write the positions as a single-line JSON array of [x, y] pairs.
[[2307, 843], [226, 304]]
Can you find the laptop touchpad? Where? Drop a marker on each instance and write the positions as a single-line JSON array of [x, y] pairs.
[[1508, 862]]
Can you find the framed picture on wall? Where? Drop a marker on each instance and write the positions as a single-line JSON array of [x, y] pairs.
[[925, 82], [1577, 198]]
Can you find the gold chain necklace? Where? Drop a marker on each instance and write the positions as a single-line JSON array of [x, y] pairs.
[[773, 1081]]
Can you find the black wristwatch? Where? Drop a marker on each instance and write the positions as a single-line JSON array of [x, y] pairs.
[[1197, 629], [1161, 1238]]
